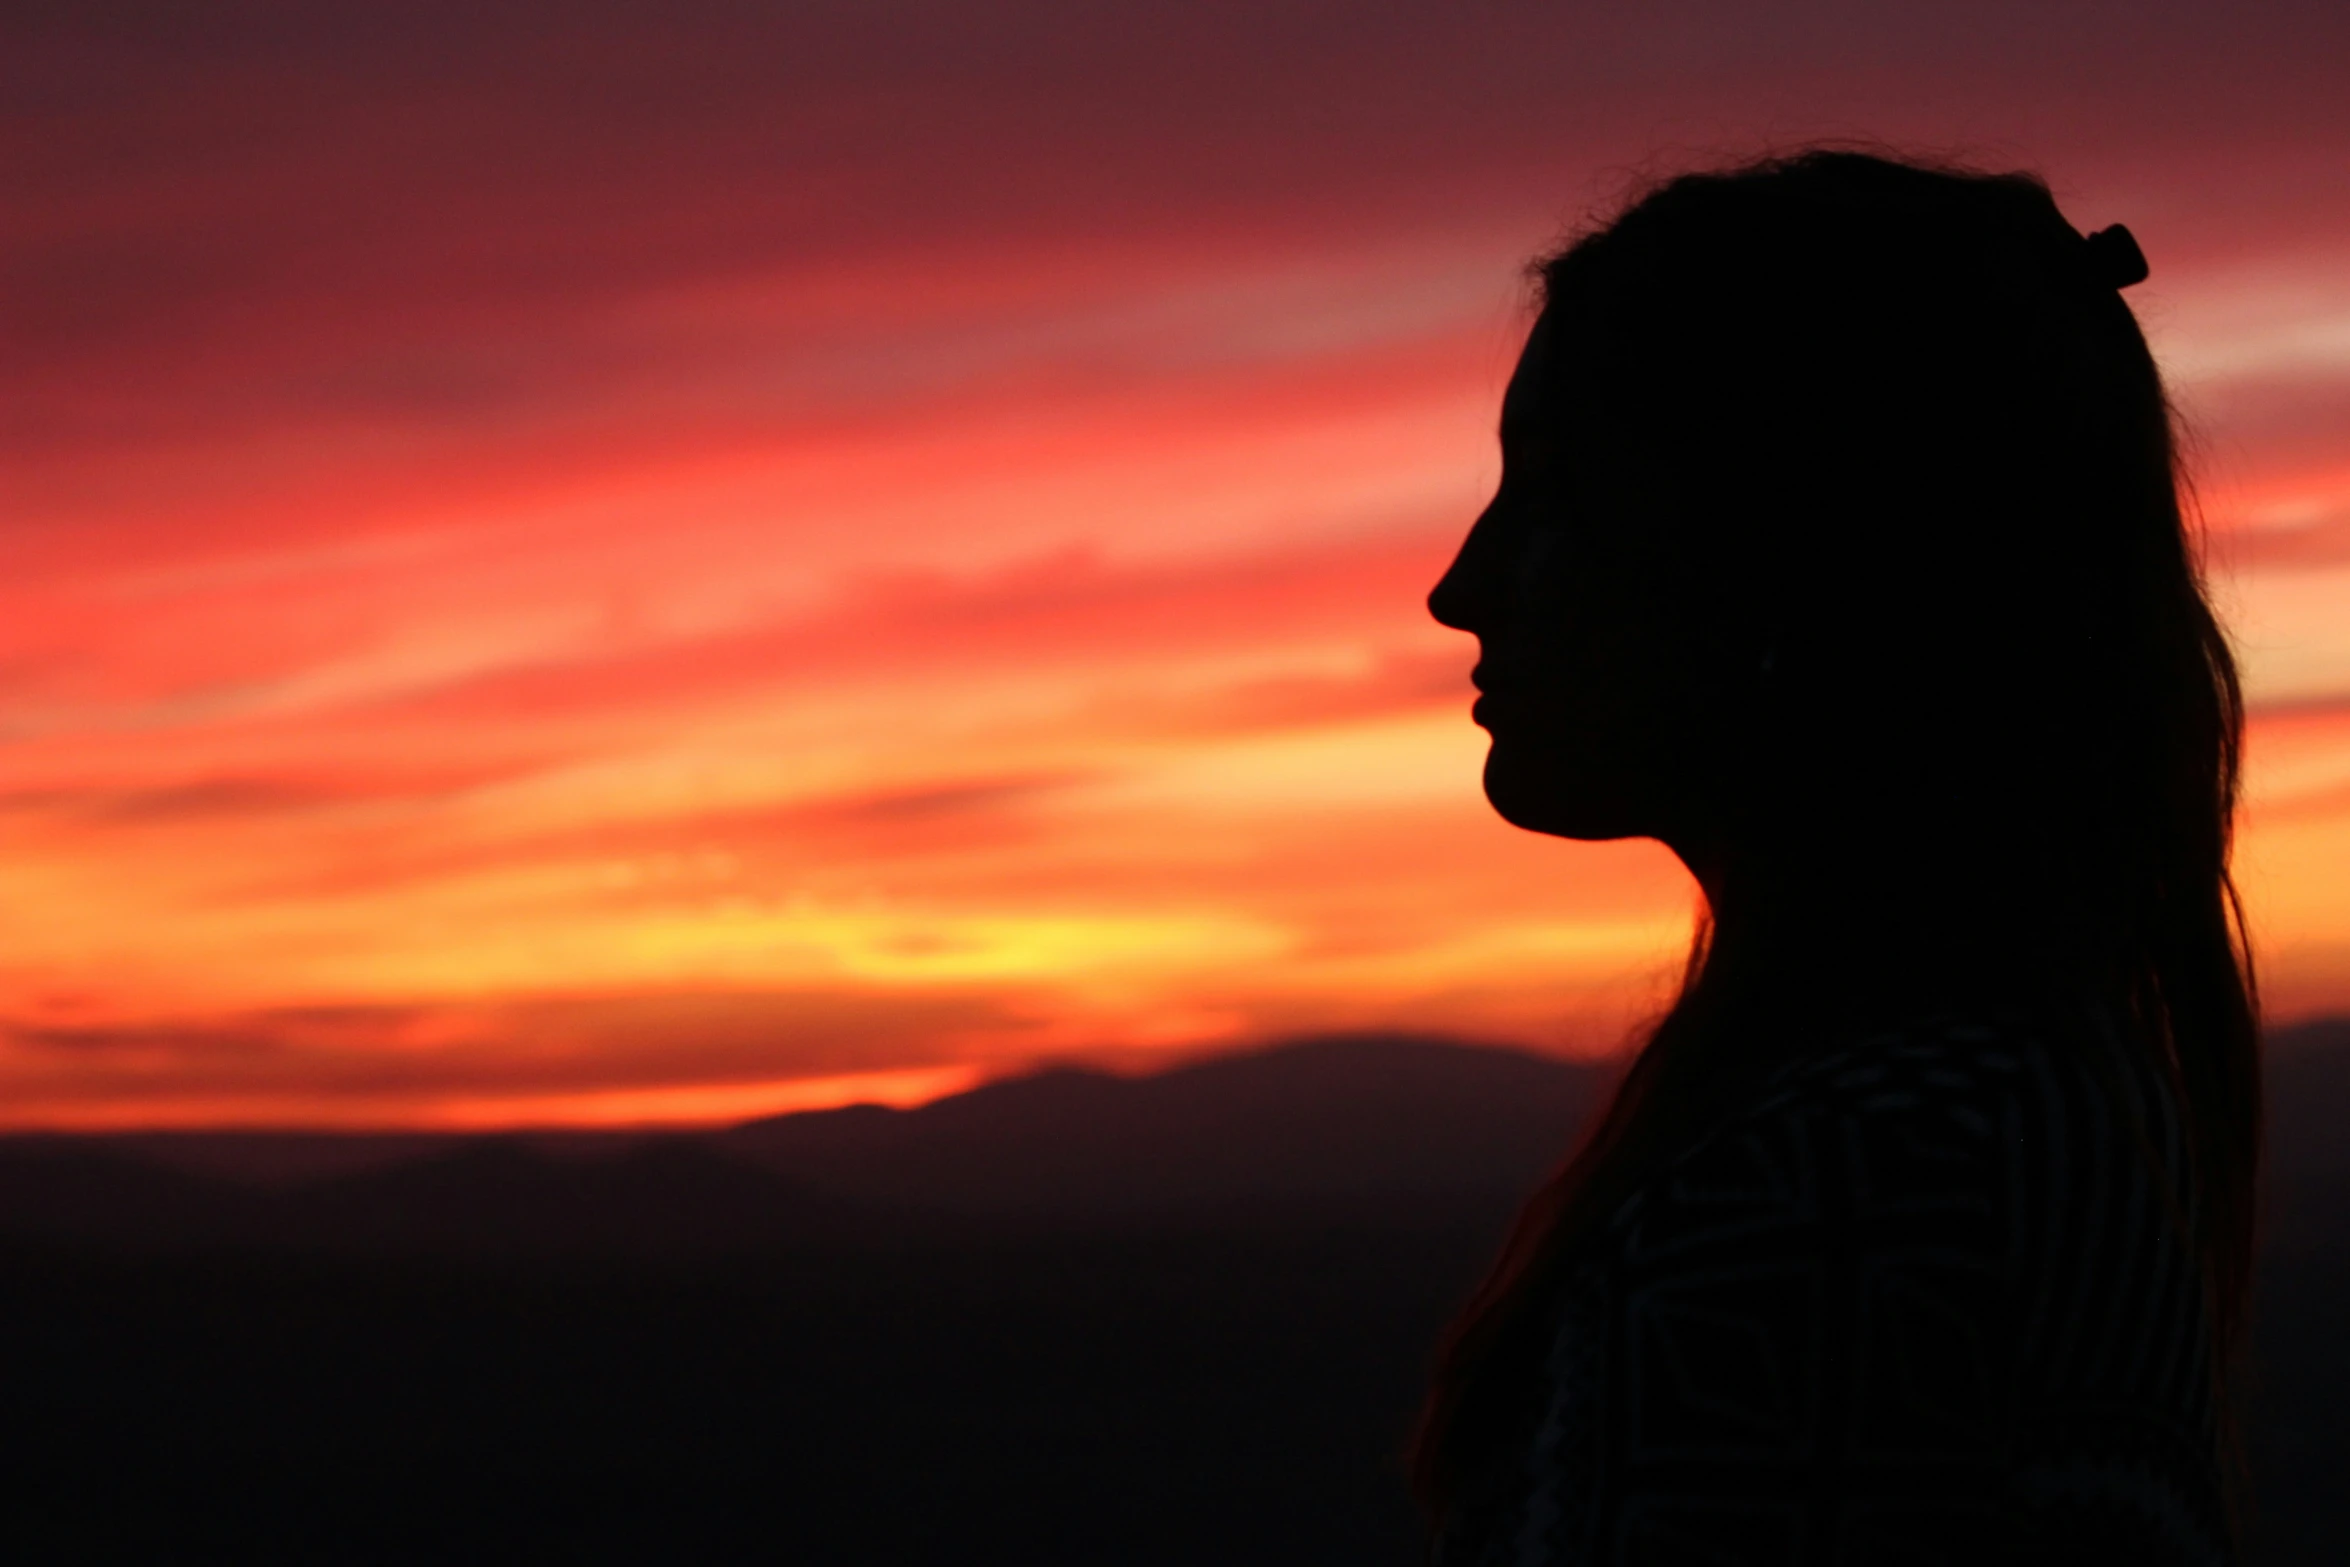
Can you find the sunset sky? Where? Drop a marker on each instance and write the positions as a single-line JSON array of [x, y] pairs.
[[600, 563]]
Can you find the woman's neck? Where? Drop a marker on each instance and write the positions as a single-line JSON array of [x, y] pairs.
[[1873, 943]]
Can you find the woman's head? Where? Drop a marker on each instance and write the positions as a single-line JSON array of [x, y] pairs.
[[1839, 545]]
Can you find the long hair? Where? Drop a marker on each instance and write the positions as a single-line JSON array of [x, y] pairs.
[[1923, 474]]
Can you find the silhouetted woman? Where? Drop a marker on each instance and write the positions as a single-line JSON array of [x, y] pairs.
[[1839, 546]]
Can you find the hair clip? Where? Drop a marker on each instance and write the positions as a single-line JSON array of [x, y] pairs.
[[2114, 257]]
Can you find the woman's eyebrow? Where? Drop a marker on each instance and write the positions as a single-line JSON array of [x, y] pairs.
[[1513, 424], [1519, 427], [1526, 447]]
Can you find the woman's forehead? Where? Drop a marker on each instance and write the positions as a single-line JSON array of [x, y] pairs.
[[1539, 406], [1533, 383]]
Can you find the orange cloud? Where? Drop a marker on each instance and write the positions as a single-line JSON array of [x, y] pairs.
[[752, 558]]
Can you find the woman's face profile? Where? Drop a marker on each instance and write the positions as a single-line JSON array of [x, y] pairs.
[[1585, 648]]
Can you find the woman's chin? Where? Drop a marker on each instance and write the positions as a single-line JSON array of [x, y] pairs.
[[1540, 800]]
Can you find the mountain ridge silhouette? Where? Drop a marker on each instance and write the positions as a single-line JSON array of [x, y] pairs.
[[1344, 1127]]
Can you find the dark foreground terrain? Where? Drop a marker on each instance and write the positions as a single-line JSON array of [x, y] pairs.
[[1069, 1319]]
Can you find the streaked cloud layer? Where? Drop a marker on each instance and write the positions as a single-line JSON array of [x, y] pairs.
[[569, 566]]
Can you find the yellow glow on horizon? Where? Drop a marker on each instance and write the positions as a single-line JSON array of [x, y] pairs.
[[680, 1107]]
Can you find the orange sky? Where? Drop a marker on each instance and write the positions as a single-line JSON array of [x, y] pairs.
[[611, 571]]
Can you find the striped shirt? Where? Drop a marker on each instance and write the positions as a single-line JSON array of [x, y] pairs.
[[1929, 1299]]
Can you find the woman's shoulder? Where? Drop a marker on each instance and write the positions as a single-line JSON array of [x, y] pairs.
[[1954, 1131], [2045, 1064], [1913, 1279]]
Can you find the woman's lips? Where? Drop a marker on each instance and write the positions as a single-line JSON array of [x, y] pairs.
[[1491, 690]]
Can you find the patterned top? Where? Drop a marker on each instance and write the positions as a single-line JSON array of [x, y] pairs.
[[1927, 1300]]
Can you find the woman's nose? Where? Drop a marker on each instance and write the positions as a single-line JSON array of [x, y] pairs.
[[1448, 601], [1458, 599]]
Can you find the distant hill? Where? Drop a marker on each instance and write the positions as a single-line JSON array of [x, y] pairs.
[[488, 1197], [1321, 1122], [1359, 1128], [2309, 1097], [2309, 1137], [1368, 1126]]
